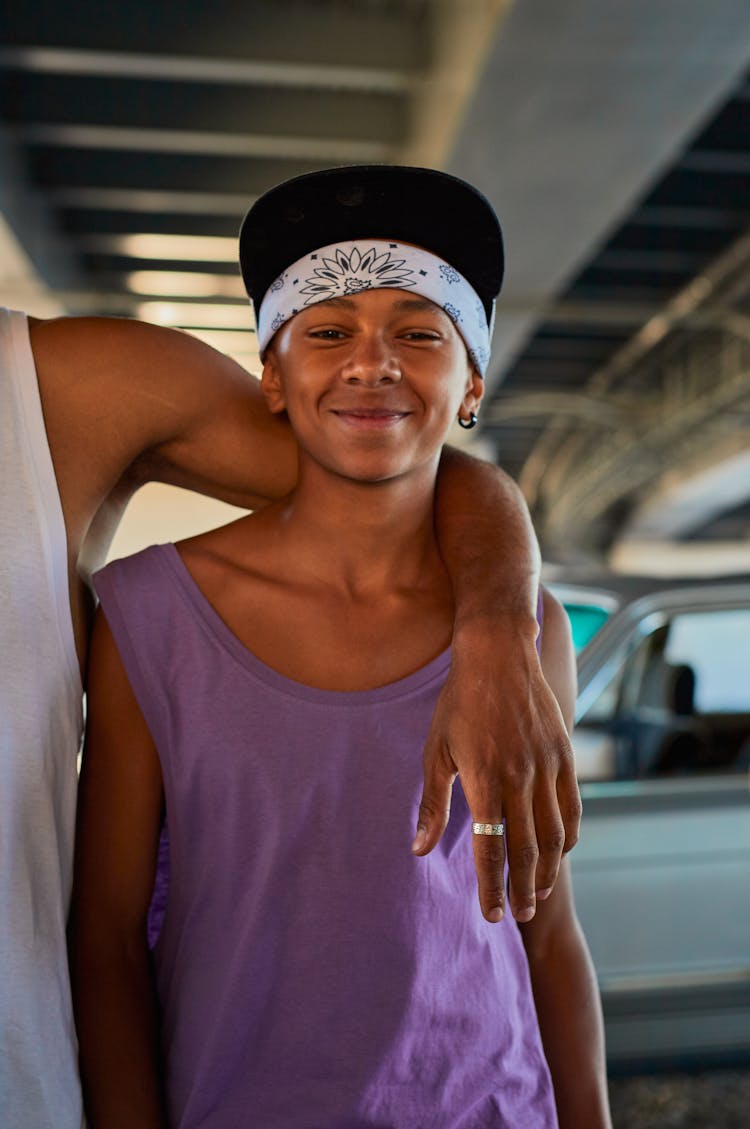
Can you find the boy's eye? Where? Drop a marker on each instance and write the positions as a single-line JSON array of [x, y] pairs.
[[327, 334], [421, 335]]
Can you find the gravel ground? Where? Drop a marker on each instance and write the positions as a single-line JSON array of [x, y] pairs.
[[716, 1099]]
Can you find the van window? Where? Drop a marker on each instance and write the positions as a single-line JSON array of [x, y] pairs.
[[717, 646], [677, 698]]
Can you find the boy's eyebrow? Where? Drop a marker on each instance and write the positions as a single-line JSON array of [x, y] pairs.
[[416, 304], [343, 303]]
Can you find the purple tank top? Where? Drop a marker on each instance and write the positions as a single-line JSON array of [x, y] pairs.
[[311, 973]]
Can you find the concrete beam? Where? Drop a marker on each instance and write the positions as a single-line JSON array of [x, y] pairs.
[[184, 68], [205, 143], [683, 502], [582, 104], [360, 34]]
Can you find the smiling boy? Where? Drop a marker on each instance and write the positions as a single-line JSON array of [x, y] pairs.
[[250, 683]]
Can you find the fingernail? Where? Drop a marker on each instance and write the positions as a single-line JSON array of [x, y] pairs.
[[420, 840], [542, 894], [495, 914], [525, 914]]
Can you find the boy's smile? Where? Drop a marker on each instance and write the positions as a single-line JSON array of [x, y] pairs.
[[369, 419]]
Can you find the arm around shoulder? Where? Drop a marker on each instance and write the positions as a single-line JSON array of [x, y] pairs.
[[497, 722], [487, 541]]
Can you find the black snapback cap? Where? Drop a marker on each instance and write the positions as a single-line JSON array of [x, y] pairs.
[[431, 209]]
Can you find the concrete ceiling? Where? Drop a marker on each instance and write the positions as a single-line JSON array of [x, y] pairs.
[[614, 140], [620, 164], [135, 137]]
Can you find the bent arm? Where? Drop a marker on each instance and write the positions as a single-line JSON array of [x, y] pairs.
[[497, 722], [119, 817], [124, 397]]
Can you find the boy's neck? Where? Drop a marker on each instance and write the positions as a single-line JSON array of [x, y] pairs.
[[363, 536], [340, 589]]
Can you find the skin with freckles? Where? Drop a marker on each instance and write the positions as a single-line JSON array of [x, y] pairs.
[[372, 385]]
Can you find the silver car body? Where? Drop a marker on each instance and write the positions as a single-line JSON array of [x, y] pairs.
[[662, 869]]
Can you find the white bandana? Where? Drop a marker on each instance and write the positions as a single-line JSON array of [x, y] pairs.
[[369, 264]]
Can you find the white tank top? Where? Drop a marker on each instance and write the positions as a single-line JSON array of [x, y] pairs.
[[40, 731]]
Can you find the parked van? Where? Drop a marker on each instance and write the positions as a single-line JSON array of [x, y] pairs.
[[662, 870]]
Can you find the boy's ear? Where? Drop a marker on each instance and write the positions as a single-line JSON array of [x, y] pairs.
[[270, 383], [473, 394]]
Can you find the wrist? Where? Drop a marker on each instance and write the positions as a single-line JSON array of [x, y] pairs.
[[471, 628]]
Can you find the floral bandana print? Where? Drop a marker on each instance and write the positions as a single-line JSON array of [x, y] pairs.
[[369, 264]]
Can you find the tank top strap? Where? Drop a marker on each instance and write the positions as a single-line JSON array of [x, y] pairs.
[[145, 612]]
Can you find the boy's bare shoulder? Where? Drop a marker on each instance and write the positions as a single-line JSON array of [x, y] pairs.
[[242, 548], [558, 656], [225, 543], [555, 623]]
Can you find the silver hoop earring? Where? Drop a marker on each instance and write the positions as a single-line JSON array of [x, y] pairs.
[[467, 424]]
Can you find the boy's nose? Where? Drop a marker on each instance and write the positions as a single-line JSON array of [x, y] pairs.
[[372, 362]]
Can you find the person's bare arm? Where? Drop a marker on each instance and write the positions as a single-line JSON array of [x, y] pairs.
[[123, 397], [569, 1010], [119, 815], [562, 973], [497, 722]]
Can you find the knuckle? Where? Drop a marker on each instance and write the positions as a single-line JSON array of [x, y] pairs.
[[518, 776], [485, 761], [430, 810], [571, 801], [564, 743], [547, 871], [553, 841], [492, 894], [525, 856], [438, 764]]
